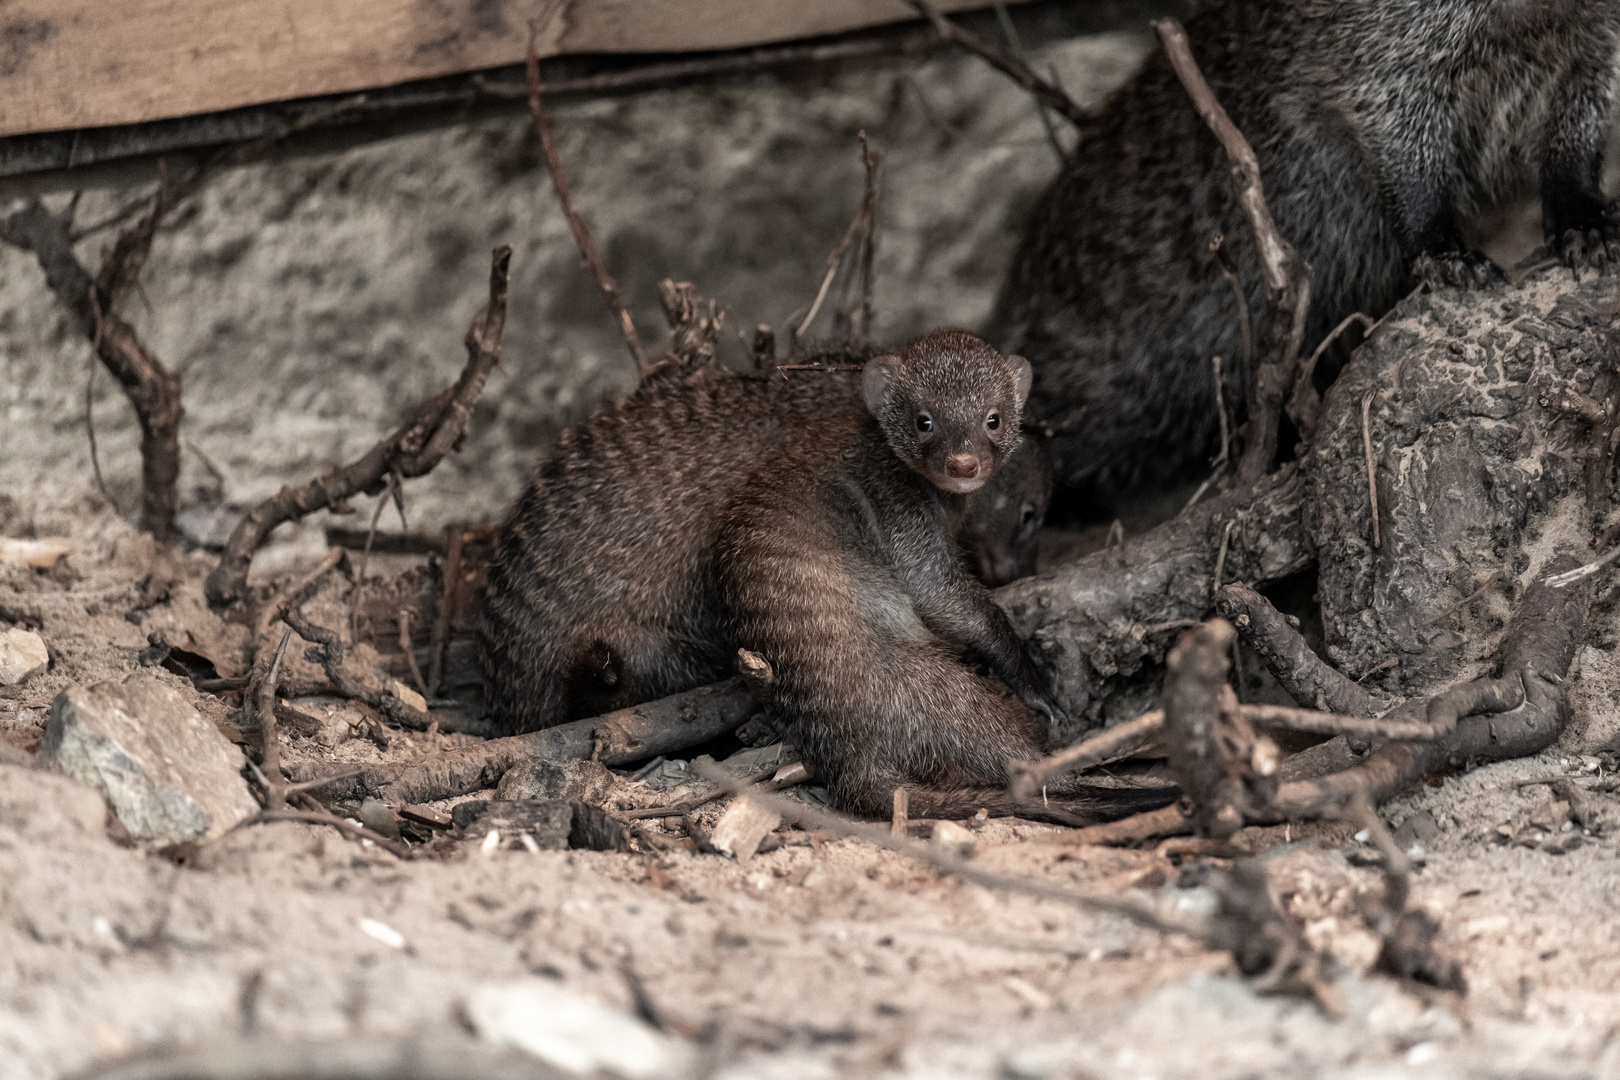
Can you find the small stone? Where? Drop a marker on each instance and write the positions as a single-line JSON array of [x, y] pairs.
[[539, 779], [568, 1030], [1419, 830], [741, 828], [410, 697], [165, 770], [22, 653], [375, 815], [1550, 814], [952, 839]]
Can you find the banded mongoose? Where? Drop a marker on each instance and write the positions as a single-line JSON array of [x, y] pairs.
[[835, 565], [1381, 127], [601, 589]]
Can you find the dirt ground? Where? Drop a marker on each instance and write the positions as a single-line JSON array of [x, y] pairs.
[[828, 959], [309, 300]]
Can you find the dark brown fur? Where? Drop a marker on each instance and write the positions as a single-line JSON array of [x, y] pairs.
[[835, 565], [1380, 126], [601, 590]]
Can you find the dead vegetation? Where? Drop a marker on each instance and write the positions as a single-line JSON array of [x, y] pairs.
[[1449, 494]]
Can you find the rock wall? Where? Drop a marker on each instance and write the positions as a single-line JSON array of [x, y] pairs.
[[310, 299]]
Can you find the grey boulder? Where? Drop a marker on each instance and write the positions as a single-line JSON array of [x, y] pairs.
[[165, 770]]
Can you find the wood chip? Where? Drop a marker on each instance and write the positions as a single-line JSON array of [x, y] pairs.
[[41, 554], [426, 815]]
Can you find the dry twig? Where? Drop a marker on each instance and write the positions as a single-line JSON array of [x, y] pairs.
[[1287, 277], [863, 219], [1305, 404], [1045, 91], [619, 738], [1372, 461], [437, 427], [1121, 740], [1306, 677], [409, 649], [264, 708], [582, 235]]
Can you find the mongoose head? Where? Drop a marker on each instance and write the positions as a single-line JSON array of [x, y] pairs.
[[950, 406], [999, 526]]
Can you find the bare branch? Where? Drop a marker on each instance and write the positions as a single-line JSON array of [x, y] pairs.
[[436, 428], [582, 235], [263, 697], [863, 218], [1121, 740], [96, 305], [1306, 677], [1046, 92], [1286, 276]]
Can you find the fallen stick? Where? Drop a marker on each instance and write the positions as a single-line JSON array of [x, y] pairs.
[[943, 859], [1048, 93], [1287, 277], [1306, 677], [678, 722], [264, 710], [437, 427], [314, 817], [1121, 740], [582, 235]]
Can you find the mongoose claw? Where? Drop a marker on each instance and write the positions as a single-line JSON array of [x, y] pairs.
[[1457, 270], [1044, 703], [1595, 250]]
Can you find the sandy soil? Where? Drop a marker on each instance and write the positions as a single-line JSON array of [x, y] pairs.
[[837, 959]]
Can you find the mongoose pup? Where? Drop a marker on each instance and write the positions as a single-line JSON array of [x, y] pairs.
[[837, 566], [601, 588], [1381, 128]]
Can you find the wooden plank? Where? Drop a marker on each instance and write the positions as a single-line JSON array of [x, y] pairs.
[[70, 64]]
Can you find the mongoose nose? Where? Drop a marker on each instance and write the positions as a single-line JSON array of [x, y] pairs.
[[962, 466]]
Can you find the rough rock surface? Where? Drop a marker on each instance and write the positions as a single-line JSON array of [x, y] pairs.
[[585, 781], [1479, 478], [168, 773], [22, 653]]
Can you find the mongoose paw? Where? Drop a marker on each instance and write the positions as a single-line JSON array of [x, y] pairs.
[[1457, 270], [1594, 250]]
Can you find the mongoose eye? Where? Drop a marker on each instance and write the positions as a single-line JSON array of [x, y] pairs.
[[993, 421], [1029, 514], [925, 422]]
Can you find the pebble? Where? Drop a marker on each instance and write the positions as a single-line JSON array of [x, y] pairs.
[[22, 654]]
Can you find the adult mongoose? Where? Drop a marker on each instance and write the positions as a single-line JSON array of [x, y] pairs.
[[600, 589], [837, 567], [1381, 128]]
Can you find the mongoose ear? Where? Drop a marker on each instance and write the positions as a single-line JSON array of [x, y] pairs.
[[876, 378], [1023, 376]]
